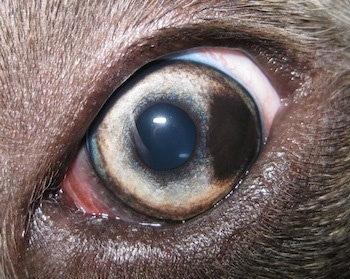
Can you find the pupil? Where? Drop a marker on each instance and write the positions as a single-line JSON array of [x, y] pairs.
[[165, 136]]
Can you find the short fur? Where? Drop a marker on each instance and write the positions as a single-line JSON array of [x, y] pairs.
[[59, 62]]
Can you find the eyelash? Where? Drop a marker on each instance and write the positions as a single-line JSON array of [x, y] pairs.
[[190, 55]]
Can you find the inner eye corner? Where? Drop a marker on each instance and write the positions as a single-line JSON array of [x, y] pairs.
[[146, 171]]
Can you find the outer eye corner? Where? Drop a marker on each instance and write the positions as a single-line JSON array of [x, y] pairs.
[[189, 116]]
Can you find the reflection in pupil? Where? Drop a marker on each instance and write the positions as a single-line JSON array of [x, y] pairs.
[[165, 136]]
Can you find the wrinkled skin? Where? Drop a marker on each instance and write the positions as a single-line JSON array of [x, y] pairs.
[[59, 63]]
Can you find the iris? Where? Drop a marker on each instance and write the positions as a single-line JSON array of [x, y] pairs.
[[179, 134]]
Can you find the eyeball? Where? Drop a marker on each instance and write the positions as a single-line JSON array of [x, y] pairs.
[[177, 137]]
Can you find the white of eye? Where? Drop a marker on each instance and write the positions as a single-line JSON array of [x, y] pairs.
[[236, 64]]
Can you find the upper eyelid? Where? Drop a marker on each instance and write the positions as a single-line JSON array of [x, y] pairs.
[[275, 59]]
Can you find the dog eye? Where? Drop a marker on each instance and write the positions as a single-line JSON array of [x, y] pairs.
[[176, 137]]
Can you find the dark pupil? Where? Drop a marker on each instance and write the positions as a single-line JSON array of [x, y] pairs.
[[165, 137]]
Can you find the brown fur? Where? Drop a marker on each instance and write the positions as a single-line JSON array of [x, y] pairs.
[[60, 61]]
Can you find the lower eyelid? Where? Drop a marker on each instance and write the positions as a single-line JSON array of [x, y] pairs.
[[77, 186], [83, 190]]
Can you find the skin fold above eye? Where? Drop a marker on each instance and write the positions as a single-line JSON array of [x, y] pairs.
[[60, 62]]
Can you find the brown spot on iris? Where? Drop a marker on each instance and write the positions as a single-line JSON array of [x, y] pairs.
[[235, 136]]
